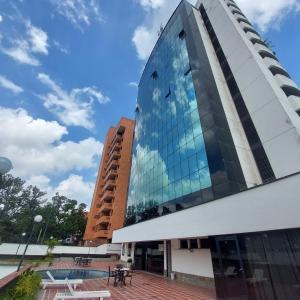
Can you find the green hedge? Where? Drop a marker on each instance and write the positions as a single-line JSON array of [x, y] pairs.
[[26, 287]]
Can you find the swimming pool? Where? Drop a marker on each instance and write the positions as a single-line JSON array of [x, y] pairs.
[[73, 273]]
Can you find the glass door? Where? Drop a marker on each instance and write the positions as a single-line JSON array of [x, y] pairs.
[[231, 276]]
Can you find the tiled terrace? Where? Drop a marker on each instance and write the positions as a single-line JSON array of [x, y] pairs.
[[144, 286]]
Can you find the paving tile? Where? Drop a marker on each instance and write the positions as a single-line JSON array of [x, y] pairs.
[[144, 286]]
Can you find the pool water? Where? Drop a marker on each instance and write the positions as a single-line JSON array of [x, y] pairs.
[[73, 273]]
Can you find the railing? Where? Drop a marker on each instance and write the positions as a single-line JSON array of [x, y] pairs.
[[107, 195]]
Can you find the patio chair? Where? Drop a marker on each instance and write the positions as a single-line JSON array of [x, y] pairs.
[[129, 274], [53, 281], [111, 274], [82, 294], [230, 271], [258, 277]]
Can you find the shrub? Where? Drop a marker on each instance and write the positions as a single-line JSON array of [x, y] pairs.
[[26, 288]]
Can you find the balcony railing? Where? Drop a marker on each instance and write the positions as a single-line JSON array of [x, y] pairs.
[[111, 174], [115, 147], [113, 165], [110, 185], [114, 155], [108, 195], [106, 206], [103, 219], [116, 139]]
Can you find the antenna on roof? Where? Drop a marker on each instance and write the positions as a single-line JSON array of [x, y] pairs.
[[161, 28]]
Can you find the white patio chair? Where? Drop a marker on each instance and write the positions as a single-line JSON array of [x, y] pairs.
[[53, 281], [81, 294]]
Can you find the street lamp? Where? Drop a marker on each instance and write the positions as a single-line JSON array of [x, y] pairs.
[[23, 234], [37, 219], [5, 165]]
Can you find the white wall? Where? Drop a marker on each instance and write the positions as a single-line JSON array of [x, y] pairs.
[[275, 120], [41, 250], [198, 262], [267, 207]]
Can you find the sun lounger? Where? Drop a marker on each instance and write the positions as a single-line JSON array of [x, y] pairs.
[[81, 294], [53, 281]]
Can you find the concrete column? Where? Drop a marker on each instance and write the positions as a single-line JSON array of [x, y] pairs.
[[165, 258]]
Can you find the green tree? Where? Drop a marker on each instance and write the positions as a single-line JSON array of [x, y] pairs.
[[62, 217]]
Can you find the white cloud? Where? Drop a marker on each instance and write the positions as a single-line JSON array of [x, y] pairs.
[[268, 13], [35, 146], [38, 39], [21, 53], [75, 187], [151, 3], [72, 108], [144, 39], [61, 48], [22, 49], [7, 84], [265, 14], [133, 84], [81, 13], [1, 18]]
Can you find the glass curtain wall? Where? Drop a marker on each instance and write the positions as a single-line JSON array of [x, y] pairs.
[[268, 263], [169, 157]]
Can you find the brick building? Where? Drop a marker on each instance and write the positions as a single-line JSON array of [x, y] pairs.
[[110, 195]]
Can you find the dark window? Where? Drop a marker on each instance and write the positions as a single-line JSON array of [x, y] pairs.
[[258, 41], [258, 151], [193, 244], [249, 29], [264, 54], [168, 93], [181, 34], [233, 5], [187, 71], [205, 244], [184, 244], [154, 75], [243, 20], [290, 91], [235, 11], [276, 70]]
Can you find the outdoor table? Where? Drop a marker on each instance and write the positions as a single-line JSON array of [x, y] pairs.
[[120, 276], [86, 260], [78, 260]]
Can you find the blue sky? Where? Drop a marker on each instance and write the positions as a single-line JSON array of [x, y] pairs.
[[69, 70]]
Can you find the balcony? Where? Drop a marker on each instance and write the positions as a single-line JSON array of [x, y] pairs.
[[116, 139], [97, 216], [98, 204], [110, 185], [103, 220], [114, 155], [116, 147], [106, 206], [113, 165], [108, 195], [101, 232], [112, 174]]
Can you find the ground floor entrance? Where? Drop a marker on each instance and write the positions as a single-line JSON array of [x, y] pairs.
[[149, 256], [257, 266]]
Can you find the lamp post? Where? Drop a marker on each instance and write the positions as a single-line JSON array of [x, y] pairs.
[[5, 165], [37, 219], [23, 234]]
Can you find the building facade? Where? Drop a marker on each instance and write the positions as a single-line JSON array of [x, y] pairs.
[[213, 195], [110, 195]]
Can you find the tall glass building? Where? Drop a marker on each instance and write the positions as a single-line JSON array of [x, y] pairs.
[[216, 159]]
